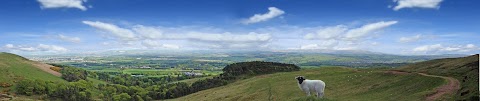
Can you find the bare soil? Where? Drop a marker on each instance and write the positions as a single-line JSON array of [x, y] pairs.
[[45, 67]]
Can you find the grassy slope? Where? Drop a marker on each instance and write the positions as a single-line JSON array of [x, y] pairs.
[[342, 84], [465, 69], [14, 68]]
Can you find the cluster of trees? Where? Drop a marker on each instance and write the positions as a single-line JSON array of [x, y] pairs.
[[86, 91], [128, 80], [70, 73], [72, 91], [257, 67], [118, 92], [73, 74]]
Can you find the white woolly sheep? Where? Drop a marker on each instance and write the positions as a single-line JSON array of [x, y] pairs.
[[311, 85]]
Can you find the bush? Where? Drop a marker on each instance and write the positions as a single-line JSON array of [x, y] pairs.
[[58, 69], [73, 74]]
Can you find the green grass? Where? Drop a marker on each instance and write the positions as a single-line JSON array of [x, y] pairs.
[[14, 68], [464, 69], [345, 84]]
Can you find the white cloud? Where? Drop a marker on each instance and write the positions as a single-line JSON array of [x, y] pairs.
[[341, 32], [43, 47], [357, 33], [428, 48], [69, 39], [435, 4], [148, 32], [411, 39], [171, 46], [156, 44], [120, 33], [272, 13], [63, 4], [200, 38], [341, 37], [310, 46], [327, 33], [329, 44], [9, 46], [228, 37], [38, 48], [228, 40], [439, 48], [27, 49]]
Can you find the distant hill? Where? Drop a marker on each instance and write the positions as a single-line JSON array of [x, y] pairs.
[[465, 69], [14, 68]]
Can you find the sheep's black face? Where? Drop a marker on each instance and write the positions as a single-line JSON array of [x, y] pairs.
[[300, 79]]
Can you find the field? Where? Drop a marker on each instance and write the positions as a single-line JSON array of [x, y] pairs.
[[214, 61], [156, 72], [345, 84]]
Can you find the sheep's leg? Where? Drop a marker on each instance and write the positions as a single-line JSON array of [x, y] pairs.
[[320, 94], [308, 93]]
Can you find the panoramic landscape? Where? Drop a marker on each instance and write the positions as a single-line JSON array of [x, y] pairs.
[[239, 50]]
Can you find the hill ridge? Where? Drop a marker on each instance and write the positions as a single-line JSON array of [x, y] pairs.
[[14, 68]]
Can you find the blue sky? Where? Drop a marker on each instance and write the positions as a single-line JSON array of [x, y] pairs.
[[407, 27]]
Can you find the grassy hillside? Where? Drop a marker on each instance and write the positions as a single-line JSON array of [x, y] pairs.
[[464, 69], [14, 68], [341, 84]]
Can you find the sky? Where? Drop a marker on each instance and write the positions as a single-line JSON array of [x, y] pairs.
[[403, 27]]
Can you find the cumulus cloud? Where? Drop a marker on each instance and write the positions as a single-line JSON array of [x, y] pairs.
[[327, 33], [226, 40], [434, 4], [68, 38], [355, 34], [197, 38], [229, 37], [148, 32], [9, 46], [38, 48], [329, 44], [156, 44], [63, 4], [117, 32], [411, 39], [342, 37], [310, 46], [342, 32], [439, 48], [272, 13], [43, 47]]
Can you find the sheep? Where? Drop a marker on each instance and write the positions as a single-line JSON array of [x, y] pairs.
[[309, 85]]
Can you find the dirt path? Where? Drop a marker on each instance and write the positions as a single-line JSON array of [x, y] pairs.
[[45, 67], [451, 88]]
